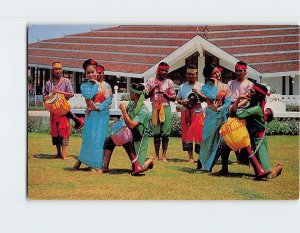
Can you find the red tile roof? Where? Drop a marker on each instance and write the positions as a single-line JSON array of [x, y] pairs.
[[135, 49]]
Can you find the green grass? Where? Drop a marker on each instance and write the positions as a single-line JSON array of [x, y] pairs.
[[176, 180]]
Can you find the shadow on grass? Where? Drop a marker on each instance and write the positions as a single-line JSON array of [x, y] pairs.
[[175, 160], [47, 156], [115, 171], [229, 175], [44, 156]]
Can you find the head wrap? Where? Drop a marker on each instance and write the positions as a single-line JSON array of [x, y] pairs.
[[100, 68], [257, 88], [140, 101], [88, 62], [56, 65], [263, 101], [220, 69], [192, 70], [240, 66], [166, 67], [210, 91]]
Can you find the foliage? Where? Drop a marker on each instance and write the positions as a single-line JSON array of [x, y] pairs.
[[283, 127], [36, 108], [292, 108], [175, 124], [36, 125], [276, 127], [125, 97]]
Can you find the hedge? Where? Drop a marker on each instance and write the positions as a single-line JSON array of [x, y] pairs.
[[276, 127]]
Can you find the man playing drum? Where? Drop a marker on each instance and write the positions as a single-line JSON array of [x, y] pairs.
[[256, 116], [192, 116], [136, 117], [59, 125]]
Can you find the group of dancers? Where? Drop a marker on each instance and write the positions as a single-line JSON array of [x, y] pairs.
[[200, 127]]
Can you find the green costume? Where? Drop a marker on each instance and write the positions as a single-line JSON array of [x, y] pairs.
[[143, 117], [256, 125], [164, 128]]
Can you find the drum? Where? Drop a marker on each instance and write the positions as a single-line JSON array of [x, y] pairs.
[[235, 133], [57, 104], [120, 133]]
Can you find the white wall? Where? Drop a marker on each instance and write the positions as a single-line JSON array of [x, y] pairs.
[[275, 83]]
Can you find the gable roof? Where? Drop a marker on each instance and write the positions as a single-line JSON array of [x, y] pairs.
[[136, 50]]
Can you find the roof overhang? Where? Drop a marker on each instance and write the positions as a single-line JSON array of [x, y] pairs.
[[107, 72], [200, 44], [280, 74]]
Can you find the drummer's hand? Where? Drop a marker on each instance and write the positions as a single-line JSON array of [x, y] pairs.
[[46, 97], [93, 107], [122, 107], [54, 92]]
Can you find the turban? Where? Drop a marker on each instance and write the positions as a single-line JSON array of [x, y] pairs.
[[56, 65]]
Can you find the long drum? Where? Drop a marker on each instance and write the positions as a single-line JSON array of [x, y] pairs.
[[235, 133], [120, 133], [57, 104]]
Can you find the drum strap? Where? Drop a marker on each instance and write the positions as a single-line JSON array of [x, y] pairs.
[[260, 142], [144, 133]]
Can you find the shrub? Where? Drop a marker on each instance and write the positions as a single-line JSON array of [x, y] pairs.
[[125, 97], [276, 127], [36, 125], [283, 127], [292, 108], [175, 127]]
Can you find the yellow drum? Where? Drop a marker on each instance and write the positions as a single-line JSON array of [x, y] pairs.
[[235, 133], [57, 104]]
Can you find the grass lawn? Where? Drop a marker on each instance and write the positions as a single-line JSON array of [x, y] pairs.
[[176, 180]]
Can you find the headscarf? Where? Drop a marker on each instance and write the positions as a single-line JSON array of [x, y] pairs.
[[263, 101], [56, 65], [140, 101]]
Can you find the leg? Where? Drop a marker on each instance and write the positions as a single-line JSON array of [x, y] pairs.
[[191, 159], [224, 151], [156, 139], [165, 143], [64, 152], [58, 149], [77, 165], [106, 160], [109, 147], [137, 169], [64, 141], [260, 172], [165, 132]]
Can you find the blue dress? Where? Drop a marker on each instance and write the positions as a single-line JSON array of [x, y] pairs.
[[95, 127], [211, 136]]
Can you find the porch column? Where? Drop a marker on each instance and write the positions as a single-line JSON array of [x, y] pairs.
[[128, 84], [201, 65]]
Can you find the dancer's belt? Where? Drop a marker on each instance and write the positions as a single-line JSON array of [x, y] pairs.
[[260, 134]]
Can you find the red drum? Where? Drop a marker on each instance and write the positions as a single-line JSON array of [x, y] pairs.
[[120, 133], [57, 104]]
